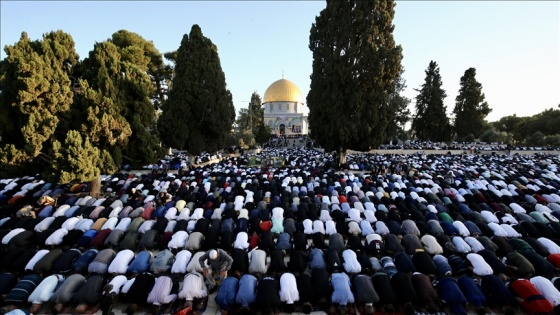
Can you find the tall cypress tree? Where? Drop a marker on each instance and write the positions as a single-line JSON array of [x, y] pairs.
[[251, 117], [199, 112], [470, 106], [102, 103], [356, 66], [395, 129], [121, 71], [430, 121]]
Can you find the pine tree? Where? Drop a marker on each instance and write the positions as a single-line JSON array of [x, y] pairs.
[[123, 74], [199, 112], [77, 160], [356, 65], [395, 128], [470, 106], [101, 104], [37, 95], [430, 121], [252, 117]]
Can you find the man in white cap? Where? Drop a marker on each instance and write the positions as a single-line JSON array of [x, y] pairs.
[[214, 261]]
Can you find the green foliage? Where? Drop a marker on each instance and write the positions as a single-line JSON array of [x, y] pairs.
[[252, 117], [356, 67], [36, 99], [536, 139], [119, 100], [552, 140], [470, 106], [199, 112], [468, 138], [77, 160], [395, 127], [37, 90], [492, 135], [243, 120], [246, 139], [263, 134], [142, 53], [430, 121], [522, 129]]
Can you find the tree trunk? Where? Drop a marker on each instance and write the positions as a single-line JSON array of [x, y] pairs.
[[341, 156], [95, 185]]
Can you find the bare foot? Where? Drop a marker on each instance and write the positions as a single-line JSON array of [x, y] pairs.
[[81, 309]]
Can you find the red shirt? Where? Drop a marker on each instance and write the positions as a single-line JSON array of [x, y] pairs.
[[533, 300], [266, 225], [254, 241], [554, 259]]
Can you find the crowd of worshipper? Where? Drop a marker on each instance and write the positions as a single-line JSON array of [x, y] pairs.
[[445, 234], [469, 147], [290, 141]]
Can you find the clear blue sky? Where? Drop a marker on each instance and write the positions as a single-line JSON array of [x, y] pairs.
[[514, 45]]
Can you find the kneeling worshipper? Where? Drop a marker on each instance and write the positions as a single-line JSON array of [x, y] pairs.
[[138, 291], [111, 292], [65, 293], [364, 293], [119, 265], [227, 293], [19, 295], [43, 292], [449, 291], [342, 295], [247, 293], [268, 299], [89, 294], [288, 291], [164, 292], [193, 288], [529, 297], [497, 293]]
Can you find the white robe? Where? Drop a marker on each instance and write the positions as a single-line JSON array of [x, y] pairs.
[[193, 287], [330, 227], [288, 288], [351, 264], [182, 260], [307, 226], [318, 227], [241, 241]]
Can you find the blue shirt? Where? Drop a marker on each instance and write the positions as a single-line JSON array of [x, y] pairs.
[[341, 289], [449, 228], [403, 263], [226, 295], [317, 260], [448, 290], [90, 233], [226, 225], [471, 290], [141, 263], [246, 295], [283, 242], [82, 263], [160, 212], [442, 265]]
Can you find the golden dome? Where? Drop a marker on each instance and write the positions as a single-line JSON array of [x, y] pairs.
[[283, 91]]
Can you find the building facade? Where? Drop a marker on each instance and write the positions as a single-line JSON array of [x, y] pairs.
[[284, 109]]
